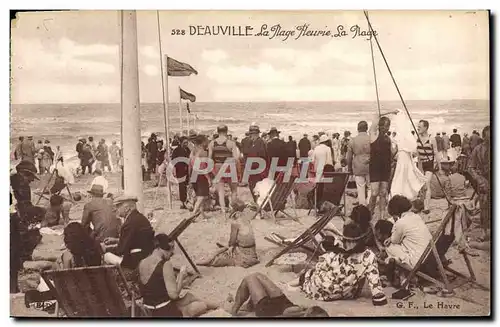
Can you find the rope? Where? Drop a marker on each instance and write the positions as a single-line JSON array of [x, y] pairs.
[[403, 101], [375, 75]]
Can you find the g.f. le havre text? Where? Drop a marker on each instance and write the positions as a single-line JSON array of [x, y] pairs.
[[276, 31]]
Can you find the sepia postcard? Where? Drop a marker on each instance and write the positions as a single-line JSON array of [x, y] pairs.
[[250, 164]]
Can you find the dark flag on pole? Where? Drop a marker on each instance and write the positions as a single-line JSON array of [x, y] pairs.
[[187, 96], [177, 68]]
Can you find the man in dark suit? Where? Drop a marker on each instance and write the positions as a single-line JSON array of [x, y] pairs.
[[276, 148], [182, 169], [136, 240], [304, 146]]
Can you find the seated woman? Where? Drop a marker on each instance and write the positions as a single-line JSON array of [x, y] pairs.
[[161, 289], [341, 272], [241, 248], [82, 251], [410, 235], [267, 300]]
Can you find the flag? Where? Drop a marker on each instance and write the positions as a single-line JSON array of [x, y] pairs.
[[177, 68], [187, 96]]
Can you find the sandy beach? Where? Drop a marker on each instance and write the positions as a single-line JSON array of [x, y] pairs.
[[216, 284]]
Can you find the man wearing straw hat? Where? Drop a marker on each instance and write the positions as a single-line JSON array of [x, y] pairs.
[[24, 174], [99, 213]]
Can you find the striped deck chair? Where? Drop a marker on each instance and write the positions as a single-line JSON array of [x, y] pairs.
[[90, 292], [433, 266], [307, 236], [275, 199]]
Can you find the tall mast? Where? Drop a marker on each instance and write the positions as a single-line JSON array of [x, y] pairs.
[[130, 106]]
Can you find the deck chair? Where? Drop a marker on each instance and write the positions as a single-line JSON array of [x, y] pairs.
[[177, 231], [432, 265], [307, 236], [90, 292], [275, 199], [332, 192]]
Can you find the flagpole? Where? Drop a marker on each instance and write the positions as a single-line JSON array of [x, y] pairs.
[[180, 112], [130, 107], [164, 76], [188, 114]]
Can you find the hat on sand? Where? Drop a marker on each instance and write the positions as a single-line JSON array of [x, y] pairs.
[[96, 189], [125, 198], [274, 130], [27, 167], [323, 138], [253, 129]]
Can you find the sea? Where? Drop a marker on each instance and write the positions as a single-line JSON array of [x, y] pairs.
[[64, 124]]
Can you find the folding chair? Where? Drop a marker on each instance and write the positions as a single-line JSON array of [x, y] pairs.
[[431, 267], [177, 231], [332, 192], [90, 292], [277, 196], [307, 236]]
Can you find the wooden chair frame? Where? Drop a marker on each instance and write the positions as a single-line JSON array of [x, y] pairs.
[[308, 235], [177, 231], [437, 255]]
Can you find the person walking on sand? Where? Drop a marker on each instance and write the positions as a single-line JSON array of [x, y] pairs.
[[358, 160], [446, 146], [439, 145], [182, 169], [276, 148], [199, 178], [114, 151], [456, 144], [102, 156], [224, 153]]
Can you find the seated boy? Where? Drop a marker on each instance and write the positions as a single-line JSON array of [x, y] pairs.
[[57, 213]]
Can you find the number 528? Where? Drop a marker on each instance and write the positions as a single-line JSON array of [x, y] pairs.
[[178, 32]]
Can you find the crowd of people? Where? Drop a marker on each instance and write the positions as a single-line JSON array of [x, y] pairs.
[[381, 159]]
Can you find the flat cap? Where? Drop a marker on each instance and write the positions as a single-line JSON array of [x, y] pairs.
[[125, 198]]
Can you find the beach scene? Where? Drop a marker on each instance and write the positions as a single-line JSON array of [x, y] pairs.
[[102, 225]]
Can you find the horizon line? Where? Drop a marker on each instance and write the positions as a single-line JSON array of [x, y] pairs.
[[274, 101]]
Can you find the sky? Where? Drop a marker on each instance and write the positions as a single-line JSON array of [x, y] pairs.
[[73, 57]]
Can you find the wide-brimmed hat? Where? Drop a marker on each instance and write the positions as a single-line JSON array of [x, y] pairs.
[[323, 138], [27, 167], [125, 198], [96, 189], [254, 129], [274, 130]]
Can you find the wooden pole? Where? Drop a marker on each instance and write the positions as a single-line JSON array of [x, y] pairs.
[[188, 114], [167, 127], [130, 105]]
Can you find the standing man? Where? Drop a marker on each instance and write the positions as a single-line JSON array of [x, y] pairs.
[[257, 149], [474, 140], [223, 150], [446, 146], [381, 154], [304, 146], [276, 148], [28, 150], [182, 169], [358, 160], [18, 153], [428, 155], [456, 144], [152, 153], [114, 151], [480, 168]]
